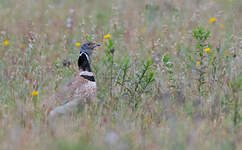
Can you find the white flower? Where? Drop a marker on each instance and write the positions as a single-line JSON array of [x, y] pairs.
[[71, 11], [30, 46], [68, 25], [68, 20], [3, 32]]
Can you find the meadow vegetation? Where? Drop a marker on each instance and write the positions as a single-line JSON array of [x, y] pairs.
[[168, 73]]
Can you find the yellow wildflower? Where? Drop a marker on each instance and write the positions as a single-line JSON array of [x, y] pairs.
[[198, 63], [207, 49], [34, 93], [212, 20], [226, 52], [107, 36], [21, 45], [6, 42], [78, 44], [230, 0], [224, 132]]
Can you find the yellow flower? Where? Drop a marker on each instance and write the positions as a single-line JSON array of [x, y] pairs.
[[224, 132], [226, 52], [230, 0], [212, 20], [21, 45], [34, 93], [78, 44], [6, 42], [107, 36], [207, 49], [198, 63]]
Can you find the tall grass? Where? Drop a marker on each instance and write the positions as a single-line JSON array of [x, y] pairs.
[[156, 86]]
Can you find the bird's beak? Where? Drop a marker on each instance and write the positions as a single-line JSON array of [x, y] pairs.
[[96, 44]]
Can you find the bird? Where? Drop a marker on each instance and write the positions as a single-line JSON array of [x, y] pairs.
[[81, 87]]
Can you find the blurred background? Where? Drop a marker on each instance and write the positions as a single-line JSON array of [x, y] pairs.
[[154, 89]]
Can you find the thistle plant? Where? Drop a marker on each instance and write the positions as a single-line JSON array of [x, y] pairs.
[[201, 51]]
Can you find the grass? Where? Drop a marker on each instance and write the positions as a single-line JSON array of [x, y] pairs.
[[155, 96]]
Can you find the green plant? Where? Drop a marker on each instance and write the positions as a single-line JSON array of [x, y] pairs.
[[121, 79], [137, 83], [236, 87], [201, 52], [109, 53], [144, 77], [168, 65]]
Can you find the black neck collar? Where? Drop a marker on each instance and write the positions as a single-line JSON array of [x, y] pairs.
[[87, 77]]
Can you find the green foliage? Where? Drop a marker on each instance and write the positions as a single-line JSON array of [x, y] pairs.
[[109, 54], [144, 77], [124, 66], [201, 35], [200, 56], [130, 83], [88, 38], [137, 83]]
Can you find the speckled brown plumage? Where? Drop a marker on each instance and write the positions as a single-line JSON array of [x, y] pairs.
[[75, 92], [77, 88]]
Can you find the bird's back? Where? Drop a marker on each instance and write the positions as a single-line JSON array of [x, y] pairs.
[[78, 88]]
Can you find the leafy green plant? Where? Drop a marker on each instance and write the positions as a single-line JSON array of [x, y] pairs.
[[201, 52], [144, 77], [137, 83]]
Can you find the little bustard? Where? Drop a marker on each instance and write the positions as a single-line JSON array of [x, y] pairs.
[[80, 88]]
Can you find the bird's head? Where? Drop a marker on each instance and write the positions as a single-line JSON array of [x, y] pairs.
[[89, 45], [84, 62]]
